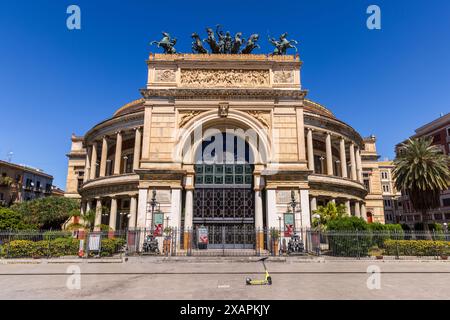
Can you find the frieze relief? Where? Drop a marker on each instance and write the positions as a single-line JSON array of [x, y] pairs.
[[224, 78], [283, 76], [165, 76], [261, 116], [185, 117]]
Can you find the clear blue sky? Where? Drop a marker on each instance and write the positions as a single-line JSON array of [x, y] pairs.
[[54, 81]]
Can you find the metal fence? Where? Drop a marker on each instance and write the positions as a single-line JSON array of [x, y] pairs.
[[363, 244], [224, 240]]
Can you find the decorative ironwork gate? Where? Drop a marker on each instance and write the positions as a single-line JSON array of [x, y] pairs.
[[224, 203]]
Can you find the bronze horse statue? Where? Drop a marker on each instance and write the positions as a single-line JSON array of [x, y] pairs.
[[197, 45], [251, 44], [166, 43], [237, 43], [211, 41], [282, 45]]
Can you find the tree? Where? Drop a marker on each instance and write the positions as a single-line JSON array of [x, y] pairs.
[[11, 220], [421, 170], [48, 212], [328, 213]]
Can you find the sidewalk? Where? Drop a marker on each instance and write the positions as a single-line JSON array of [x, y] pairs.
[[209, 259]]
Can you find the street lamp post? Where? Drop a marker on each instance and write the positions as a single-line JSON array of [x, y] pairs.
[[293, 204], [153, 203]]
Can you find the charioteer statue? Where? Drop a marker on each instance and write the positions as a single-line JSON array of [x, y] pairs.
[[167, 43], [221, 42], [282, 45]]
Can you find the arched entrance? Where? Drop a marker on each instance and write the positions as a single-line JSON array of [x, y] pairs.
[[224, 200]]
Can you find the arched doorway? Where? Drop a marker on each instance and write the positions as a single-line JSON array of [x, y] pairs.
[[369, 217], [223, 196]]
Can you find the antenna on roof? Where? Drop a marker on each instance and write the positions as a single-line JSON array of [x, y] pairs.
[[9, 156], [441, 114]]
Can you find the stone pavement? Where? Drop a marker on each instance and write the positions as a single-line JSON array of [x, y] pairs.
[[141, 278]]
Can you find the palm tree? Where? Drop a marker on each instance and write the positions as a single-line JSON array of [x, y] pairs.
[[329, 212], [422, 170]]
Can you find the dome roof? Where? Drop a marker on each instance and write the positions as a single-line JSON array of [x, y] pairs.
[[130, 107], [314, 107]]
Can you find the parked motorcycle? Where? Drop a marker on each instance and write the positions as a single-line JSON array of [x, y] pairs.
[[150, 245], [295, 245]]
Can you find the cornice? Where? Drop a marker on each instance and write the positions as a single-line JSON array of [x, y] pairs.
[[222, 93]]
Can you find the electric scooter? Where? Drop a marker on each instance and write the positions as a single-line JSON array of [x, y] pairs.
[[267, 279]]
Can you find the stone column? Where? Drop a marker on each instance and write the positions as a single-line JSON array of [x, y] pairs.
[[98, 215], [142, 209], [363, 211], [329, 154], [305, 209], [88, 205], [352, 161], [146, 132], [94, 160], [175, 212], [343, 158], [188, 214], [133, 211], [82, 207], [313, 204], [357, 209], [118, 155], [358, 165], [259, 220], [103, 157], [137, 148], [309, 142], [113, 214], [87, 165], [347, 207]]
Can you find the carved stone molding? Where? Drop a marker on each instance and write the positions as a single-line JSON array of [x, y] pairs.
[[224, 78], [283, 76], [223, 109], [165, 76], [185, 117], [261, 116]]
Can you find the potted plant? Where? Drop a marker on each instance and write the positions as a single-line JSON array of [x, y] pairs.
[[167, 239], [275, 236], [444, 253], [376, 252]]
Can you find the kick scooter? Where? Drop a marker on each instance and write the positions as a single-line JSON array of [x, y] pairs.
[[267, 279]]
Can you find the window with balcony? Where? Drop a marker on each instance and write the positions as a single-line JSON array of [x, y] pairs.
[[446, 202]]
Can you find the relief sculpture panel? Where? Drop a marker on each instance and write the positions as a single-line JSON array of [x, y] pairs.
[[224, 78]]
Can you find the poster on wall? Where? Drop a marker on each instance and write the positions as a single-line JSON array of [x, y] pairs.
[[288, 224], [202, 237], [158, 221]]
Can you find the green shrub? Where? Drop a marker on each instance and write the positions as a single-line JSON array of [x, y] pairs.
[[111, 246], [39, 249], [348, 224], [64, 247], [417, 247], [26, 249], [12, 220], [50, 235]]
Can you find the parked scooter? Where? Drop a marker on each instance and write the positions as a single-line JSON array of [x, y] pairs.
[[150, 245], [295, 245]]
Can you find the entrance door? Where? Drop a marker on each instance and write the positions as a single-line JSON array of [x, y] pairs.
[[224, 200]]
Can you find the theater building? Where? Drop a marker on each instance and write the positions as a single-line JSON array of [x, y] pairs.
[[223, 139]]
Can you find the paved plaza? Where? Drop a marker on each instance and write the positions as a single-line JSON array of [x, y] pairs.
[[147, 278]]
